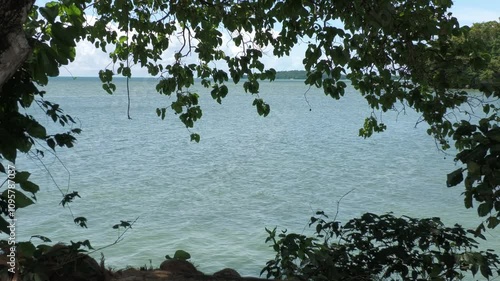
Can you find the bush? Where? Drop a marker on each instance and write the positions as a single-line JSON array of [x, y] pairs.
[[378, 247]]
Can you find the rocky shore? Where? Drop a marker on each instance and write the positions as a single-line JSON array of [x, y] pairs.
[[62, 264], [178, 270]]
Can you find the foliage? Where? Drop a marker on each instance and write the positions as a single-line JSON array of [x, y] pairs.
[[373, 246], [45, 262], [487, 34], [179, 255]]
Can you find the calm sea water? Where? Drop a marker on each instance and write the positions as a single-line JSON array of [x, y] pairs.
[[214, 199]]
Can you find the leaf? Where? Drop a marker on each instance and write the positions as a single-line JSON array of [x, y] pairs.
[[68, 198], [468, 199], [181, 255], [493, 222], [473, 168], [22, 176], [43, 238], [485, 270], [494, 134], [36, 130], [26, 249], [195, 137], [22, 200], [9, 152], [62, 34], [122, 39], [81, 221], [454, 178], [71, 9], [107, 89], [29, 187], [51, 143], [50, 13], [485, 208], [474, 269], [223, 91]]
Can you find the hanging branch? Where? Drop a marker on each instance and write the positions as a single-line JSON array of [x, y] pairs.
[[128, 76]]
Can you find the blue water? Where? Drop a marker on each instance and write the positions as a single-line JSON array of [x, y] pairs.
[[214, 199]]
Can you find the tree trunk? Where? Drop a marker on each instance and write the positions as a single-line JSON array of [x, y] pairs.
[[14, 48]]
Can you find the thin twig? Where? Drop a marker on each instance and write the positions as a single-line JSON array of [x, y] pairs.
[[338, 203], [118, 239]]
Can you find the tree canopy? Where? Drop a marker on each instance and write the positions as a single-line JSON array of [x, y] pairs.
[[394, 52], [485, 36]]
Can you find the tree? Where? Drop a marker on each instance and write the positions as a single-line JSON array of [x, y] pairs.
[[488, 33], [484, 37], [392, 51]]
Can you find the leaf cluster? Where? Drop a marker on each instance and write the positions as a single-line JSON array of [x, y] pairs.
[[376, 247]]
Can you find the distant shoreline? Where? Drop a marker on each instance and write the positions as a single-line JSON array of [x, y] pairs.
[[288, 75]]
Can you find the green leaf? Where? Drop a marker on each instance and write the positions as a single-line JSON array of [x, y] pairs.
[[81, 221], [494, 134], [22, 200], [181, 255], [485, 208], [454, 178], [485, 270], [22, 176], [9, 152], [493, 222], [50, 13], [43, 238], [51, 143], [29, 187], [223, 91], [36, 130], [177, 107], [69, 197], [72, 10], [63, 34], [123, 39], [195, 137], [263, 109]]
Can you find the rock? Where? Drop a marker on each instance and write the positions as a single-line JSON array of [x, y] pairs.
[[227, 273], [180, 267], [61, 263]]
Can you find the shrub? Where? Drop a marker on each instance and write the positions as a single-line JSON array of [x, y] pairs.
[[378, 247]]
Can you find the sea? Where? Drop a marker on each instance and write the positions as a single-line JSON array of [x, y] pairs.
[[215, 199]]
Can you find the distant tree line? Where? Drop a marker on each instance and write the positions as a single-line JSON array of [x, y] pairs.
[[295, 74]]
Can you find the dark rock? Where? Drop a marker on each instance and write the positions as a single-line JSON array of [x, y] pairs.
[[227, 273], [61, 263], [179, 266]]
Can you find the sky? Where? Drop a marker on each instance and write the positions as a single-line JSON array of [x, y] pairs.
[[90, 60]]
